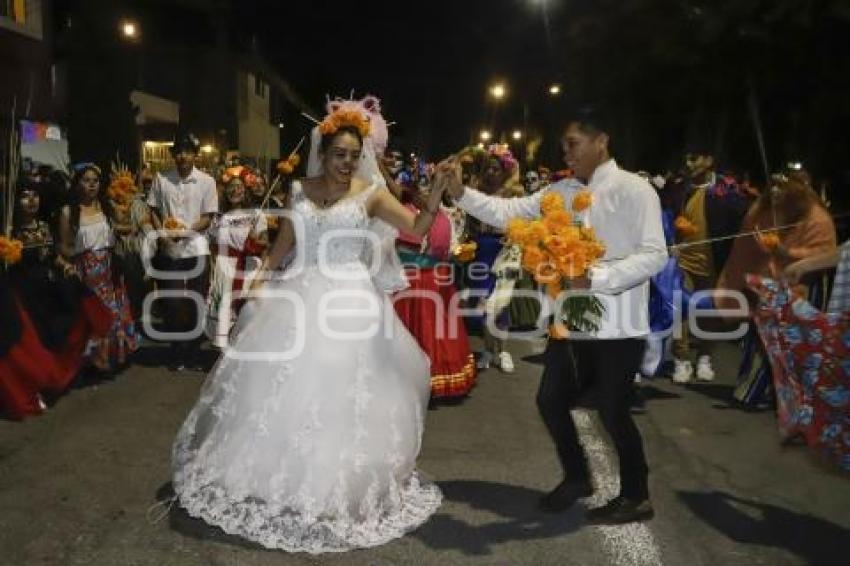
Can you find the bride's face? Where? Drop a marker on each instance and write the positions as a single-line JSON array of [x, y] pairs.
[[340, 160]]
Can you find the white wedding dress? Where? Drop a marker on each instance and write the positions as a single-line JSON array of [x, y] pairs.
[[314, 450]]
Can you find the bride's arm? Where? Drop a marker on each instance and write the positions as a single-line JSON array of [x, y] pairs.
[[386, 207], [282, 246]]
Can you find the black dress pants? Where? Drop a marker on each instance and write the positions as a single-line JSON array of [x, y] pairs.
[[571, 367]]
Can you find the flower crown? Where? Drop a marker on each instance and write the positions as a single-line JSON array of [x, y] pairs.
[[503, 153], [344, 113], [248, 177]]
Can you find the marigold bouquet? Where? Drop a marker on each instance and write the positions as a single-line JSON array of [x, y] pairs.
[[557, 248], [10, 250], [122, 186]]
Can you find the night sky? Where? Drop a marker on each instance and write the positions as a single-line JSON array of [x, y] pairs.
[[429, 62], [666, 73], [669, 72]]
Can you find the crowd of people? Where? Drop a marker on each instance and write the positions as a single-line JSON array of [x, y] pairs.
[[85, 251]]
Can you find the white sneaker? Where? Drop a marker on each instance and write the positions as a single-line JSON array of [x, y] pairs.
[[683, 372], [484, 361], [704, 370], [506, 362]]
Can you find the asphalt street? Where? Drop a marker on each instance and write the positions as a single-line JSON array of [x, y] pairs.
[[80, 484]]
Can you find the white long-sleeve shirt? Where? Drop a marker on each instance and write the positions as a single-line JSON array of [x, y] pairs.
[[626, 216]]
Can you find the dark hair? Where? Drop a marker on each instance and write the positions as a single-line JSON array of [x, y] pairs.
[[327, 139], [590, 121], [24, 186], [185, 140], [492, 158], [74, 198]]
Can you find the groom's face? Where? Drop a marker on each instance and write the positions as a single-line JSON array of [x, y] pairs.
[[584, 151]]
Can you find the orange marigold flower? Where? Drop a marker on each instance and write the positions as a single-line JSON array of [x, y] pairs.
[[285, 167], [172, 223], [11, 250], [557, 219], [572, 265], [770, 240], [517, 230], [684, 227], [345, 117], [537, 231], [532, 257], [551, 202], [560, 246], [569, 232], [582, 200], [465, 252]]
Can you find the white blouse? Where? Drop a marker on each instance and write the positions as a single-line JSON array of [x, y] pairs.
[[94, 234]]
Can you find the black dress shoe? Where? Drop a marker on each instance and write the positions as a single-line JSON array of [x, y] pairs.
[[621, 510], [565, 495]]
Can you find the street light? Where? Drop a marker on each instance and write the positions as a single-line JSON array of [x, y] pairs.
[[517, 135], [498, 91], [485, 135], [555, 90], [129, 30]]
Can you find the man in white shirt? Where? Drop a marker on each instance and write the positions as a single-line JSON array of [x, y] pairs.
[[188, 196], [626, 216]]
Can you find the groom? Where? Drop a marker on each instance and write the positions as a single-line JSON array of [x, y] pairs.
[[626, 216]]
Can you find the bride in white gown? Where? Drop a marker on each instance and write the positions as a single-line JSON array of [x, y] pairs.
[[306, 432]]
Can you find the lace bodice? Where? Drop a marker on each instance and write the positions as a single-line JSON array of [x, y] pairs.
[[339, 232]]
